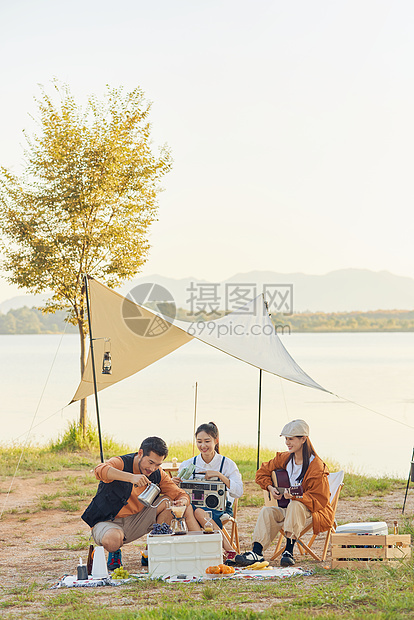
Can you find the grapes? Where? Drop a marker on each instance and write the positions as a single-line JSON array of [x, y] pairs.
[[120, 573], [160, 528]]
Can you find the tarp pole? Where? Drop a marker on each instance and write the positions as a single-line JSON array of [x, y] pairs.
[[93, 366], [408, 482], [195, 416], [260, 399], [259, 416]]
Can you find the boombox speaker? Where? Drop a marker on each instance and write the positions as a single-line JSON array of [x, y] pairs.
[[203, 494]]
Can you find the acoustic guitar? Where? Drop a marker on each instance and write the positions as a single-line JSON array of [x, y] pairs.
[[281, 481]]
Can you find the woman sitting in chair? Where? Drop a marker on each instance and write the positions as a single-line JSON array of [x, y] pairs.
[[305, 468], [211, 464]]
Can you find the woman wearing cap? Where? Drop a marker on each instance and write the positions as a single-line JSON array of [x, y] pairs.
[[303, 467]]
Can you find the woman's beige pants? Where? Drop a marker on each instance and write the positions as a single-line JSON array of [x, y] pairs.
[[270, 521]]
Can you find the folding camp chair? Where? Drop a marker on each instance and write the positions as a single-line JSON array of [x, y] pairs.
[[233, 536], [335, 485]]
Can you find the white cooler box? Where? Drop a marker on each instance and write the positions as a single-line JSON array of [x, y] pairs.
[[370, 527], [189, 554]]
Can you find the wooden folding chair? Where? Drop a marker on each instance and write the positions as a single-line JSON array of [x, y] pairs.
[[335, 485], [233, 536]]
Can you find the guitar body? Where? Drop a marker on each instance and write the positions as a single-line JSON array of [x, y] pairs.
[[280, 480]]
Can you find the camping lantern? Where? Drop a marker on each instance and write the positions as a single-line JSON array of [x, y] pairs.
[[107, 360]]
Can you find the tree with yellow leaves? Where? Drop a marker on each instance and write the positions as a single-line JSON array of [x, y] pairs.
[[84, 201]]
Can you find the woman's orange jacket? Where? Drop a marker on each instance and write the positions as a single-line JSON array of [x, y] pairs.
[[315, 484]]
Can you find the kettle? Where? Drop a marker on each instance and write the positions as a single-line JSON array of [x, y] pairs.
[[150, 494]]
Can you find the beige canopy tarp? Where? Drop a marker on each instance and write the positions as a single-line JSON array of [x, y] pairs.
[[137, 337]]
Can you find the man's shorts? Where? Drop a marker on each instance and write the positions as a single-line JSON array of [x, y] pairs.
[[132, 527]]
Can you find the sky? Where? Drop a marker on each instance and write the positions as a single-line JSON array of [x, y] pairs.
[[290, 123]]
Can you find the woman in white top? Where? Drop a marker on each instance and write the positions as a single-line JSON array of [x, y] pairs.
[[211, 464]]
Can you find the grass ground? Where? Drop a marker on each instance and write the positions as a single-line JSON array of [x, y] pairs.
[[42, 536]]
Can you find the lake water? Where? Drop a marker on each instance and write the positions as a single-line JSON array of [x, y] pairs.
[[374, 369]]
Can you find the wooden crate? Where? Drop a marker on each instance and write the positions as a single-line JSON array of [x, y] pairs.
[[368, 551]]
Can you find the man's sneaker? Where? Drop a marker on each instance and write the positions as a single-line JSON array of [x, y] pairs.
[[247, 558], [287, 559], [114, 560]]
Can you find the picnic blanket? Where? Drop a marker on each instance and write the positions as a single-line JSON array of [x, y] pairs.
[[71, 581], [271, 573], [276, 572]]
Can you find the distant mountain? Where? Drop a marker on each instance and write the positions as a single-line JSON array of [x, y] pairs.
[[22, 300], [345, 290]]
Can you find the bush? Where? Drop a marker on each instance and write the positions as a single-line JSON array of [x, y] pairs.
[[78, 439]]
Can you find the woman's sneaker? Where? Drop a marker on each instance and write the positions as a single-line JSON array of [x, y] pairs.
[[114, 560], [247, 558], [287, 559]]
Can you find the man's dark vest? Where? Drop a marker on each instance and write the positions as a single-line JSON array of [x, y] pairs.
[[112, 496]]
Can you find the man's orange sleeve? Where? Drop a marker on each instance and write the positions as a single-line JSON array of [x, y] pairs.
[[101, 470]]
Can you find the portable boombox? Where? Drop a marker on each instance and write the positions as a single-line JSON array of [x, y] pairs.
[[205, 494]]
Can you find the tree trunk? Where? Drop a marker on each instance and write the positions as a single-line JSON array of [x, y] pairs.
[[83, 357]]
